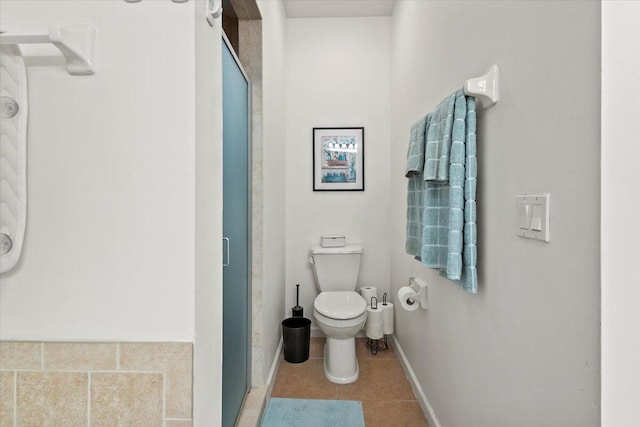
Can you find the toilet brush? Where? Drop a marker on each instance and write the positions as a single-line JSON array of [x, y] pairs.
[[297, 310]]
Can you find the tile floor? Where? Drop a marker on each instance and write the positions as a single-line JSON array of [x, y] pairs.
[[387, 398]]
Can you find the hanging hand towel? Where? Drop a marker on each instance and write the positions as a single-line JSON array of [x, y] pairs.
[[415, 187], [435, 220]]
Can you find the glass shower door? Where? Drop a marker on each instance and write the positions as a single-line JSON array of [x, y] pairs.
[[236, 190]]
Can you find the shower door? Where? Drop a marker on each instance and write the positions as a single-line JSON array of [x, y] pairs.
[[236, 250]]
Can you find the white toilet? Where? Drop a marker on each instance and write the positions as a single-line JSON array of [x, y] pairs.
[[339, 310]]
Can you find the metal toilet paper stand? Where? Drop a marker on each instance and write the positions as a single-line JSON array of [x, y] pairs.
[[377, 345]]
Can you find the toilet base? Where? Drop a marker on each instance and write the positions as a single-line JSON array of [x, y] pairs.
[[340, 363]]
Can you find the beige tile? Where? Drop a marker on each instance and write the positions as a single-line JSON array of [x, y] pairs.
[[126, 399], [79, 356], [175, 360], [384, 413], [248, 419], [6, 398], [303, 380], [51, 399], [179, 423], [316, 348], [380, 379], [20, 355], [252, 408], [256, 397], [257, 365], [362, 352]]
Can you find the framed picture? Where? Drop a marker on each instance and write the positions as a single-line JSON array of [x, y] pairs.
[[338, 159]]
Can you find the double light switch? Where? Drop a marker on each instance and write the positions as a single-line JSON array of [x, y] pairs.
[[533, 216]]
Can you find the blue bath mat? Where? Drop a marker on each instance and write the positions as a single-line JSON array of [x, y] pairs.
[[313, 413]]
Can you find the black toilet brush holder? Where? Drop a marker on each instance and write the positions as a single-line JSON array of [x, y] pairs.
[[297, 311]]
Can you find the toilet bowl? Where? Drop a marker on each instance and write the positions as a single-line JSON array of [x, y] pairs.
[[338, 309], [340, 316]]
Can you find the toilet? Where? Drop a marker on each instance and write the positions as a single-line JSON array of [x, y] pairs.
[[339, 310]]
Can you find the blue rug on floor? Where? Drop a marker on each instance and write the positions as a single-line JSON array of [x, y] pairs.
[[313, 413]]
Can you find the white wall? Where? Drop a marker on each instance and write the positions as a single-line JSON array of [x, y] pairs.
[[338, 74], [207, 355], [274, 145], [620, 204], [109, 248], [525, 350]]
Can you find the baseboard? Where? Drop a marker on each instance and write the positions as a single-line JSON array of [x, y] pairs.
[[271, 378], [274, 368], [426, 407], [257, 399]]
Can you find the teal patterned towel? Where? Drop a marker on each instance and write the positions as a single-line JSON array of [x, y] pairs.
[[436, 163], [415, 190], [449, 216], [415, 153], [435, 234], [469, 280]]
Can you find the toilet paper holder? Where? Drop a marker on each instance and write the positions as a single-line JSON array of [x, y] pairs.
[[420, 288]]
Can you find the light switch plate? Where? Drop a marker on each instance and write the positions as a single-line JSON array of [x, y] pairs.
[[536, 223]]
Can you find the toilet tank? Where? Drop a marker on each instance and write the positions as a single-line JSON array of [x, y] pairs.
[[336, 269]]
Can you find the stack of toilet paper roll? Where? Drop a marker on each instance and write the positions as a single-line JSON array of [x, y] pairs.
[[379, 316], [369, 292], [387, 317]]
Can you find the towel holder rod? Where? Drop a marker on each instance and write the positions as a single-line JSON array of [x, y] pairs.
[[76, 42], [485, 87]]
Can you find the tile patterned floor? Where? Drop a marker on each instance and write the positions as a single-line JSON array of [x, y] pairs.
[[386, 395]]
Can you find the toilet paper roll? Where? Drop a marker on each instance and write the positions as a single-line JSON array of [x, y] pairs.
[[369, 292], [374, 328], [404, 295], [387, 318]]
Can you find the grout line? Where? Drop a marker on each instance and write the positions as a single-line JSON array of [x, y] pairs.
[[15, 399], [117, 356], [89, 399], [81, 371], [164, 400]]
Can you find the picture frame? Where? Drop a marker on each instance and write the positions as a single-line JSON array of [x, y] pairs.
[[338, 159]]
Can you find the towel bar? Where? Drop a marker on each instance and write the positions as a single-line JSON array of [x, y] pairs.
[[485, 87]]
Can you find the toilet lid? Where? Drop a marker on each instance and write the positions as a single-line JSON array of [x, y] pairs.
[[340, 305]]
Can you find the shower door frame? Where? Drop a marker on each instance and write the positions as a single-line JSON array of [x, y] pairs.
[[249, 319]]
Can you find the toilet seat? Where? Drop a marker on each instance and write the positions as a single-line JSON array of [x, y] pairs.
[[340, 305], [340, 324]]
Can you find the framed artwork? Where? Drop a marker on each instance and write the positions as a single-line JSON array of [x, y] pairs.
[[338, 159]]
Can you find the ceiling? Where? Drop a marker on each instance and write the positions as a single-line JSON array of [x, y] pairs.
[[338, 8]]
